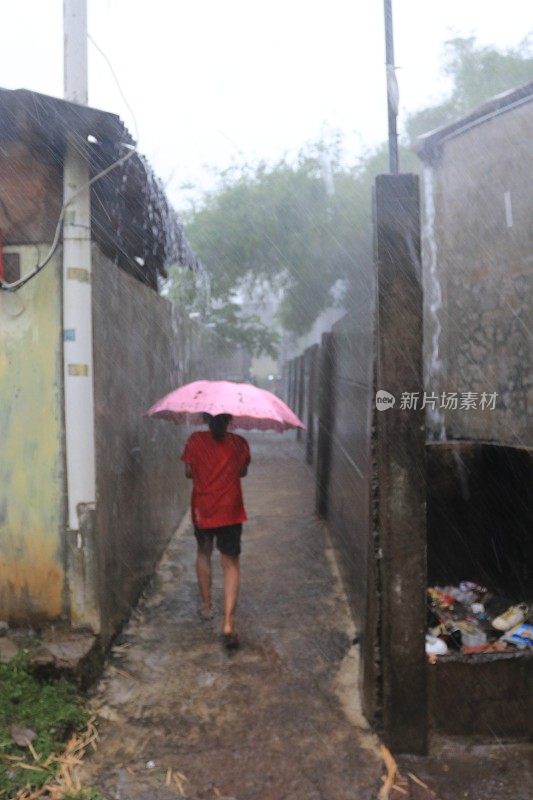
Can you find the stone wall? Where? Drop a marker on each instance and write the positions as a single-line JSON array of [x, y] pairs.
[[478, 281]]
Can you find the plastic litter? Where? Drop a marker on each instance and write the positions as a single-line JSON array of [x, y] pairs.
[[521, 636], [471, 619], [471, 634], [435, 646]]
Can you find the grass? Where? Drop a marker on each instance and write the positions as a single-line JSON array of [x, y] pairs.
[[53, 710]]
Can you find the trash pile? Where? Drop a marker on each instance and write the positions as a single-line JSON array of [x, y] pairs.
[[468, 618]]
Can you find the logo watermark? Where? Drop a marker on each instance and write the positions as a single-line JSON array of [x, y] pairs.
[[384, 400], [450, 401]]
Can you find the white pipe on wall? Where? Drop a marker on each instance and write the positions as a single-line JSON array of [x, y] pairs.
[[77, 299], [75, 51]]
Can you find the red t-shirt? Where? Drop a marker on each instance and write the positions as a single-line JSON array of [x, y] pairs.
[[216, 468]]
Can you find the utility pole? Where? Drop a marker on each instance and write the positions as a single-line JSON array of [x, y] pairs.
[[77, 300], [392, 89]]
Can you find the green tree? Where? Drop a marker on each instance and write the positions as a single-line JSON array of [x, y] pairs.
[[478, 73], [225, 318], [303, 227], [297, 227]]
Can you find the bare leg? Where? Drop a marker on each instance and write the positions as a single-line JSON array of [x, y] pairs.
[[232, 580], [203, 571]]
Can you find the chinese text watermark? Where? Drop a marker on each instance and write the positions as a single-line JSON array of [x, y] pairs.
[[450, 401]]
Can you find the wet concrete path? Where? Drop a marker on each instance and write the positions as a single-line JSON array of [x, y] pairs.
[[276, 720]]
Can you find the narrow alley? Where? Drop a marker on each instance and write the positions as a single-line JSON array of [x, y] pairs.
[[268, 722], [312, 224]]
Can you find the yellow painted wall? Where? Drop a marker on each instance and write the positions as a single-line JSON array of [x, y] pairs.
[[31, 461]]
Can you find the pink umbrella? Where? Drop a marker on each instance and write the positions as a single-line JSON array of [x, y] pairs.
[[249, 406]]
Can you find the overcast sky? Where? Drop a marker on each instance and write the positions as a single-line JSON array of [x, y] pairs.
[[211, 81]]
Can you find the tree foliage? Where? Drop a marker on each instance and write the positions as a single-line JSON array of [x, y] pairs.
[[224, 317], [303, 226], [282, 226], [477, 73]]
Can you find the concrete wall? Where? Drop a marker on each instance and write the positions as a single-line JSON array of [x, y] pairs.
[[143, 348], [478, 281], [340, 408], [370, 468], [32, 499], [350, 469], [400, 464], [486, 695], [310, 417]]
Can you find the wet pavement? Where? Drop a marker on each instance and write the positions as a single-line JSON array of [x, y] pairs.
[[277, 719], [463, 769]]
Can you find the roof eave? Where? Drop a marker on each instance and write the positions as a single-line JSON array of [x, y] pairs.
[[429, 145]]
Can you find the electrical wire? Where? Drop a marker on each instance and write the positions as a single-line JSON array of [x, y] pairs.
[[13, 287], [117, 82]]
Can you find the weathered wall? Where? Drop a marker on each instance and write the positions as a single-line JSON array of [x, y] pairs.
[[338, 406], [488, 695], [31, 192], [370, 467], [350, 467], [310, 418], [143, 348], [400, 464], [31, 461], [478, 281]]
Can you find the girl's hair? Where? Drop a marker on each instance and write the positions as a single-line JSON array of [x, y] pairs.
[[218, 425]]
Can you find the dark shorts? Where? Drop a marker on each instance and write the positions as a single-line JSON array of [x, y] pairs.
[[228, 538]]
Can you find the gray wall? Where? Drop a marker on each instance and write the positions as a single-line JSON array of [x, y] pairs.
[[143, 348], [350, 468], [338, 406]]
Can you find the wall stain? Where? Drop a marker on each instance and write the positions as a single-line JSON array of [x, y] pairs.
[[31, 467]]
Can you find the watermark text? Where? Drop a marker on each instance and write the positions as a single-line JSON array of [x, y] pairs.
[[449, 401]]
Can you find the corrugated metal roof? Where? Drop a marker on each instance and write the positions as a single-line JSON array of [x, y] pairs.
[[22, 110], [132, 220]]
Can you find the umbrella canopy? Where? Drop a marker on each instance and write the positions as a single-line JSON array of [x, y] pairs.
[[250, 407]]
